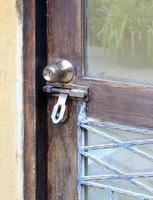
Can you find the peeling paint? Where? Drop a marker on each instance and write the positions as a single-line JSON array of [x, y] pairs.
[[19, 9]]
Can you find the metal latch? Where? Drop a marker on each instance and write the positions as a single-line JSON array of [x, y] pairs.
[[71, 91], [58, 74]]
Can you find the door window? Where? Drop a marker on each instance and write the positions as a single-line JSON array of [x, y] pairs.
[[120, 40]]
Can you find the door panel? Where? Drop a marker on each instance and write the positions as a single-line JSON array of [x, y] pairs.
[[122, 112]]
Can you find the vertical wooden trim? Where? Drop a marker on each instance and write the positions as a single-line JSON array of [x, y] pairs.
[[29, 64], [64, 41]]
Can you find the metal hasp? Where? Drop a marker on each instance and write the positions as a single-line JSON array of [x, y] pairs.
[[72, 91], [58, 75], [59, 109]]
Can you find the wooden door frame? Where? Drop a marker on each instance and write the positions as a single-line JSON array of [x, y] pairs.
[[35, 103], [34, 60], [29, 63], [35, 165]]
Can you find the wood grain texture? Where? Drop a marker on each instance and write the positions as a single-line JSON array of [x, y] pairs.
[[29, 100], [64, 41], [65, 31], [62, 155], [109, 101], [120, 103]]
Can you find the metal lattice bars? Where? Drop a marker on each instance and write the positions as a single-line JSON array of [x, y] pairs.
[[112, 145], [114, 169], [117, 141], [146, 191], [118, 190], [118, 176]]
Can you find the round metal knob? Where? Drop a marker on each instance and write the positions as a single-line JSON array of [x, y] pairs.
[[60, 71]]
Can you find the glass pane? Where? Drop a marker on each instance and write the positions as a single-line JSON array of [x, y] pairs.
[[120, 40], [118, 162], [104, 195]]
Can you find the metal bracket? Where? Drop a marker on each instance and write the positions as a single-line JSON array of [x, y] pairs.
[[63, 92], [75, 92]]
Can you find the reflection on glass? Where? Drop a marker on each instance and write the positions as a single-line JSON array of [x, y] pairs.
[[120, 40]]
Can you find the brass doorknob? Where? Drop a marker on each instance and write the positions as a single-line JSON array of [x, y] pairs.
[[60, 71]]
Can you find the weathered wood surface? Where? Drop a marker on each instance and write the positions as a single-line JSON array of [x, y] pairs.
[[109, 101], [29, 63], [62, 155], [120, 103], [64, 41], [65, 31]]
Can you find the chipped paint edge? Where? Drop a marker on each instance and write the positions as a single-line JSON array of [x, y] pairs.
[[19, 101]]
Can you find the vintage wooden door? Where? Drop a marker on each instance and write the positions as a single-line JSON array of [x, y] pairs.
[[104, 149]]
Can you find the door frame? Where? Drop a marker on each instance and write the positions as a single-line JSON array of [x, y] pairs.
[[29, 64], [34, 43]]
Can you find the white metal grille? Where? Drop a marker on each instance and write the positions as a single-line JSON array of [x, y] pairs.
[[116, 160]]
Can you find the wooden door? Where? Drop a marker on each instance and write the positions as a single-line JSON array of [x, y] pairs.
[[104, 149]]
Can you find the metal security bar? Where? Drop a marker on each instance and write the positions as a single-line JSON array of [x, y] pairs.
[[141, 179]]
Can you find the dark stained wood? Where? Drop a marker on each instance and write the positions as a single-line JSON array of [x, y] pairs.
[[64, 41], [62, 155], [65, 31], [29, 100], [50, 151], [41, 101], [110, 101], [120, 103], [35, 102]]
